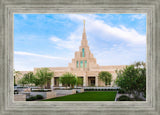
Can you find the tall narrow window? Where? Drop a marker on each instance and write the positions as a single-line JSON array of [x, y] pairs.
[[82, 52], [77, 64], [81, 64], [85, 65]]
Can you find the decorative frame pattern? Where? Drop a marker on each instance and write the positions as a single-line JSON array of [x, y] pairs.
[[150, 107]]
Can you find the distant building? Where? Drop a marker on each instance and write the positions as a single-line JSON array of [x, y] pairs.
[[84, 65]]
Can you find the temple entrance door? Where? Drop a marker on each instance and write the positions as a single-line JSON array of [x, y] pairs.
[[91, 81], [56, 81]]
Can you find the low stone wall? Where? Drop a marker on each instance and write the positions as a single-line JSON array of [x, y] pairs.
[[38, 93], [80, 90], [50, 95], [74, 91], [64, 92], [27, 90], [20, 97], [102, 88], [46, 95]]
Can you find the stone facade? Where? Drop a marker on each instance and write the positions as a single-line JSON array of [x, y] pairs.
[[84, 65]]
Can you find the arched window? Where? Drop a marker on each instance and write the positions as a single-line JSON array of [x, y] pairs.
[[81, 64], [83, 52], [85, 64], [77, 64]]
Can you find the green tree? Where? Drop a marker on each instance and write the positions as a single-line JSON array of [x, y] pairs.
[[133, 79], [16, 74], [79, 81], [22, 81], [42, 77], [106, 77], [27, 78], [68, 79]]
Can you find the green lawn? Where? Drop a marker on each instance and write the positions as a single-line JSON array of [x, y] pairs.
[[88, 96]]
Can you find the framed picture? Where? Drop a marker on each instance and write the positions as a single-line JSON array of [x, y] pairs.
[[78, 52]]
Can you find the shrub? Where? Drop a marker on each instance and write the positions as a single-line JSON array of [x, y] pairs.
[[33, 98], [28, 99], [42, 90], [15, 91], [122, 91], [124, 98], [39, 96], [132, 78]]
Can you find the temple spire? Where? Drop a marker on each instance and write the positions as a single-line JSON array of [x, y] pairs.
[[84, 31], [84, 26], [84, 41]]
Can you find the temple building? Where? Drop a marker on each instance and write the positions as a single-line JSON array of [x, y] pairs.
[[84, 65]]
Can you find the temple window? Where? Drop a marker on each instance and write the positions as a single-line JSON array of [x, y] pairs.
[[77, 64], [81, 64], [85, 65], [83, 52]]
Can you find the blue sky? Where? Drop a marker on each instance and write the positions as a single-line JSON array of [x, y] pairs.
[[50, 40]]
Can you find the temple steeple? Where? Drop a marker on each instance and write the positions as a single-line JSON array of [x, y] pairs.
[[84, 31], [84, 41], [84, 59]]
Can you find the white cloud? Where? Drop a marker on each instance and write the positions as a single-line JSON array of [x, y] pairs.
[[97, 29], [137, 16], [133, 47], [72, 42], [38, 55], [101, 30], [25, 61], [55, 39], [24, 16], [119, 55]]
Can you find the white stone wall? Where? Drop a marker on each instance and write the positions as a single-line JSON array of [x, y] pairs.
[[38, 93], [80, 90], [50, 95], [64, 92], [19, 97]]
